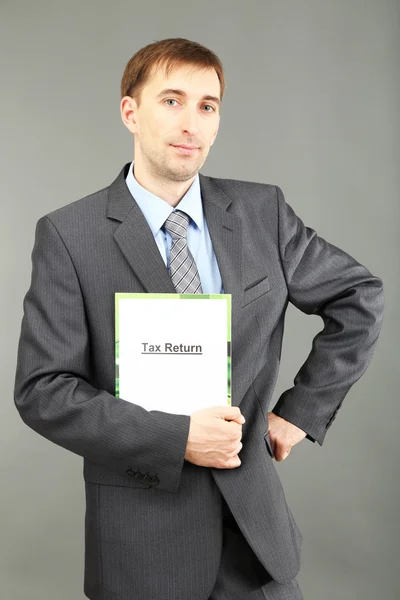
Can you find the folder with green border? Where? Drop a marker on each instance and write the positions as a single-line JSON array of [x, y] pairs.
[[173, 297]]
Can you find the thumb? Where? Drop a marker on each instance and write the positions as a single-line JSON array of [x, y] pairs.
[[230, 413]]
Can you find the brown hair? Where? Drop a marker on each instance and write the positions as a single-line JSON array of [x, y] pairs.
[[168, 53]]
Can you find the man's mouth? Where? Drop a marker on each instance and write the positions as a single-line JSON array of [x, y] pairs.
[[185, 149]]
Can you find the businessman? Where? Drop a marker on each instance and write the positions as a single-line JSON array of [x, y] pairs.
[[187, 507]]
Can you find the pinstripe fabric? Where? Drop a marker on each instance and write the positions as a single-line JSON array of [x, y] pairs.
[[241, 575], [153, 523], [173, 565]]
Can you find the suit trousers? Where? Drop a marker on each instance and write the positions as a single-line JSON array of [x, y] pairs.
[[241, 576]]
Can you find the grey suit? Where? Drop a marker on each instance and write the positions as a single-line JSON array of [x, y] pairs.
[[153, 520]]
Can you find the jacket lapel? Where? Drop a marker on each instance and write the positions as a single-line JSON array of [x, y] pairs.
[[135, 238], [137, 243], [225, 233]]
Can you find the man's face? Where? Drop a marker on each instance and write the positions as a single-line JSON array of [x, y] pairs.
[[166, 119]]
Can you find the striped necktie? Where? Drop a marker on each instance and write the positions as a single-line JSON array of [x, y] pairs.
[[182, 268]]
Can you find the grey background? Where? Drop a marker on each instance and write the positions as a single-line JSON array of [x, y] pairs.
[[312, 105]]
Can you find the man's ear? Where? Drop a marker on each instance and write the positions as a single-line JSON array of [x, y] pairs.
[[128, 110]]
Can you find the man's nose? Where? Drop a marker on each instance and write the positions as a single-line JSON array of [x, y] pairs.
[[190, 123]]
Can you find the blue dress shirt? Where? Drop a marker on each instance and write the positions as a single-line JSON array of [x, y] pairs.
[[156, 211]]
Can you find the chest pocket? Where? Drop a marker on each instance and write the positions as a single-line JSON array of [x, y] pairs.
[[256, 289]]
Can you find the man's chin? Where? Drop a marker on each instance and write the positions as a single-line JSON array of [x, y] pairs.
[[184, 172]]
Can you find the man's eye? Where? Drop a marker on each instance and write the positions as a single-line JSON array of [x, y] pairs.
[[206, 105]]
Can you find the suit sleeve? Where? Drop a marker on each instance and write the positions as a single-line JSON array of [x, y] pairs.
[[324, 280], [52, 391]]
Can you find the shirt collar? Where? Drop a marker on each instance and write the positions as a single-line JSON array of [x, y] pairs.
[[156, 210]]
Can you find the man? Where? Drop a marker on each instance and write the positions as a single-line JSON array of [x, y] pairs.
[[172, 512]]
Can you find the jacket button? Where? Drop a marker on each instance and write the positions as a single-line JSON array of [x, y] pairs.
[[130, 473], [154, 480]]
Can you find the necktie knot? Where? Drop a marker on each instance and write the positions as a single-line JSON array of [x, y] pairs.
[[177, 224]]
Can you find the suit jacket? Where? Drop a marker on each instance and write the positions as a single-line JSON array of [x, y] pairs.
[[153, 520]]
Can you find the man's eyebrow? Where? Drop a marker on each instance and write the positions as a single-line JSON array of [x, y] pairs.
[[182, 93]]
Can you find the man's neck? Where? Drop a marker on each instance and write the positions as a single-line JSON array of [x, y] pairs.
[[171, 192]]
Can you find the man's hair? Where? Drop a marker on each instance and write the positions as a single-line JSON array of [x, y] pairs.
[[167, 54]]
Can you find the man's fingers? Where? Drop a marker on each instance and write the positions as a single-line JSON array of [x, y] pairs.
[[280, 448], [281, 453]]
